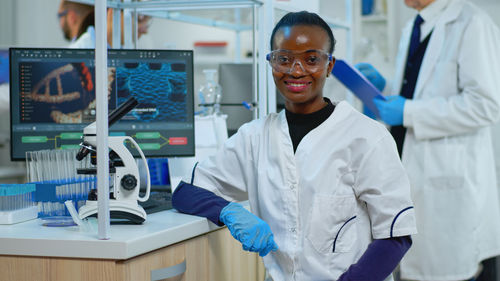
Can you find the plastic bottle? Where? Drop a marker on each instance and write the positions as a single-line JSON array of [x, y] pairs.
[[210, 93]]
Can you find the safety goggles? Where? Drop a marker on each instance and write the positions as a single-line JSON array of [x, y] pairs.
[[310, 61], [62, 14]]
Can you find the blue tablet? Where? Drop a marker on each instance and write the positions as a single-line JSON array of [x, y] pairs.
[[4, 66], [357, 84]]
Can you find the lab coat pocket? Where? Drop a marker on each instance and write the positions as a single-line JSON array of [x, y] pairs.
[[442, 83], [332, 227], [444, 164]]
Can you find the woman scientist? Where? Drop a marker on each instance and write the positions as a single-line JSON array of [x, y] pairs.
[[328, 195]]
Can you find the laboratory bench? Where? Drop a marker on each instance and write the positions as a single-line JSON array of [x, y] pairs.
[[168, 244]]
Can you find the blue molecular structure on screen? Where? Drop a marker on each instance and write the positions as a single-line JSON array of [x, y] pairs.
[[160, 89]]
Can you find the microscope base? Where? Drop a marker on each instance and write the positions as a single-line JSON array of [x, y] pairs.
[[128, 210]]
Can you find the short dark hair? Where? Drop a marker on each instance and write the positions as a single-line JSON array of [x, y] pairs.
[[304, 18], [81, 9]]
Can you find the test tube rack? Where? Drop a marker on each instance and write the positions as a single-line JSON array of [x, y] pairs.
[[51, 195], [17, 203]]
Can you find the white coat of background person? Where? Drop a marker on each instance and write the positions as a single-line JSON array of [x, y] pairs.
[[77, 24], [447, 151], [85, 41]]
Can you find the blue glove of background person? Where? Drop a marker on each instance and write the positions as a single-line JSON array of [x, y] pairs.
[[372, 75], [254, 234], [368, 112], [391, 110]]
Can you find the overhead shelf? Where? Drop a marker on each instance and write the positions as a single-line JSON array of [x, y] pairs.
[[172, 5], [234, 15], [231, 19], [176, 5], [374, 18], [283, 8]]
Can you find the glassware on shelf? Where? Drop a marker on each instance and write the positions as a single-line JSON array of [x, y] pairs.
[[210, 94]]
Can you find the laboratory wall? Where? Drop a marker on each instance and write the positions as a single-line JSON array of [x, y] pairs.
[[30, 23]]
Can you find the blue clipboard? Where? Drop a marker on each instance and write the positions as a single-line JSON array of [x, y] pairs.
[[357, 84]]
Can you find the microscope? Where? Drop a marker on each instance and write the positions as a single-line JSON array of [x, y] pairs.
[[123, 169]]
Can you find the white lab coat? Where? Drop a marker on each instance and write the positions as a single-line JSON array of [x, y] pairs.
[[344, 186], [447, 151]]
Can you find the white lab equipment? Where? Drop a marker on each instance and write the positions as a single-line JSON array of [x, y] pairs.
[[126, 179], [17, 203], [447, 151], [210, 93]]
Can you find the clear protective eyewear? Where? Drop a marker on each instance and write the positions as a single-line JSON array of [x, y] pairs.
[[310, 61], [62, 14]]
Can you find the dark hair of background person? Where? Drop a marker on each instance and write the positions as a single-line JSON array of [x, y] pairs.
[[80, 9], [303, 18], [87, 21], [85, 11]]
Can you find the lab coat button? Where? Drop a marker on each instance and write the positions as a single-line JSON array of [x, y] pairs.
[[292, 230]]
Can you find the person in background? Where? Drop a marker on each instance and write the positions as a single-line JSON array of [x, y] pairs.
[[77, 23], [322, 207], [447, 98], [143, 24]]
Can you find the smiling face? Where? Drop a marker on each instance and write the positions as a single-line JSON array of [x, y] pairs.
[[303, 91]]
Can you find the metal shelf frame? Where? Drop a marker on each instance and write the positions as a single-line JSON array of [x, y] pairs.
[[263, 20], [130, 11]]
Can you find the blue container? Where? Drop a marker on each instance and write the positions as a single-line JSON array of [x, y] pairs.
[[367, 7], [51, 195]]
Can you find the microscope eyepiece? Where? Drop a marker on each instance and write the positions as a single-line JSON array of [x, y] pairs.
[[120, 111], [115, 115], [85, 149]]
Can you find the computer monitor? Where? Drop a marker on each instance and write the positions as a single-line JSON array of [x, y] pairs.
[[52, 98], [236, 82]]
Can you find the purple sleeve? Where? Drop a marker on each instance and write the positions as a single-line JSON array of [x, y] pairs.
[[197, 201], [379, 260]]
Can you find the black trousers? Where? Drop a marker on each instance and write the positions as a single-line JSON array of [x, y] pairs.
[[489, 272]]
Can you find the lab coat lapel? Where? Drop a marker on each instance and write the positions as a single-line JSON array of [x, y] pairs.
[[433, 50], [401, 60]]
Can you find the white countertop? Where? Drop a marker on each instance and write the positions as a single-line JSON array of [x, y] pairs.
[[159, 230]]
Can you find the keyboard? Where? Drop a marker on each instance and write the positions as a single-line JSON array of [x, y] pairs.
[[158, 201]]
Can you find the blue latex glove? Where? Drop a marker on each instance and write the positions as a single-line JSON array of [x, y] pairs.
[[368, 112], [254, 234], [372, 75], [391, 110]]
